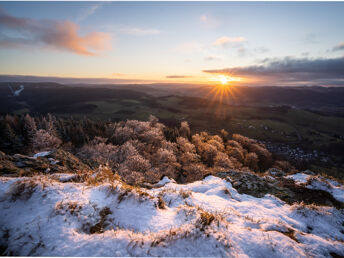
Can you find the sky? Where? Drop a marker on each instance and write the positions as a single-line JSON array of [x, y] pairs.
[[248, 43]]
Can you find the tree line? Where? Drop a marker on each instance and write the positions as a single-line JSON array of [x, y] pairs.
[[139, 151]]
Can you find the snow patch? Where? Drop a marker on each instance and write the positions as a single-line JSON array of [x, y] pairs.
[[165, 181], [41, 154], [320, 183], [299, 178]]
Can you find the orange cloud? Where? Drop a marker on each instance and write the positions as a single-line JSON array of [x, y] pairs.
[[178, 76], [225, 41], [61, 35]]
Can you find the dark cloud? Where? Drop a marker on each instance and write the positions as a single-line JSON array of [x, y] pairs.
[[338, 47], [291, 70], [61, 35], [178, 76]]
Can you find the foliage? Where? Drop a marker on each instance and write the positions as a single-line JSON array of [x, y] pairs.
[[138, 151]]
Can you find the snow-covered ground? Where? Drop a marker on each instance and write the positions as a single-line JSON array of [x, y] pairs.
[[42, 216], [320, 183]]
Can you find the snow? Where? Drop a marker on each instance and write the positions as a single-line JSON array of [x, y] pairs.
[[56, 220], [334, 189], [41, 154], [299, 178], [53, 161], [165, 181], [17, 92], [64, 177], [320, 183]]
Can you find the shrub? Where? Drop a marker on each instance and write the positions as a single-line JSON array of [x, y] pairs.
[[264, 156], [44, 140], [251, 161]]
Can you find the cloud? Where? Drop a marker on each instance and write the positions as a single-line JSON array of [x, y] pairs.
[[212, 58], [226, 41], [60, 35], [209, 21], [139, 31], [339, 47], [178, 76], [88, 12], [291, 71], [69, 80]]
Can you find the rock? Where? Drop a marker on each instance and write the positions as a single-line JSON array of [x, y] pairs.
[[275, 172], [54, 161], [283, 188], [7, 166], [308, 172], [67, 160]]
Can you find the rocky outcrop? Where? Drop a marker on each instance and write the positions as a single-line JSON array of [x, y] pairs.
[[67, 161], [7, 165], [276, 184], [48, 162]]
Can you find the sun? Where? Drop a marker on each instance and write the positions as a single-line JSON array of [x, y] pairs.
[[224, 80]]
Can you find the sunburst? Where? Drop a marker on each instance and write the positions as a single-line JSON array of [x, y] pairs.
[[222, 94]]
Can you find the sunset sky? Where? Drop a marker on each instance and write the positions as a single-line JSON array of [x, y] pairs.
[[198, 42]]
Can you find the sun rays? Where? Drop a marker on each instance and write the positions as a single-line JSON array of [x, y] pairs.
[[222, 94]]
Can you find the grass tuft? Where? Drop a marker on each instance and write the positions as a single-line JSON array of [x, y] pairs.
[[22, 189]]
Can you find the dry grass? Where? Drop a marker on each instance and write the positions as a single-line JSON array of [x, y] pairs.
[[103, 174], [206, 218], [22, 189], [289, 233], [227, 192], [124, 190], [161, 203], [101, 225], [185, 194], [72, 207]]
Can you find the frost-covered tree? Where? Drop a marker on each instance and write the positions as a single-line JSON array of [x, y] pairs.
[[251, 161], [165, 163], [264, 156], [185, 130], [43, 140], [244, 141], [99, 152], [222, 161], [236, 152]]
